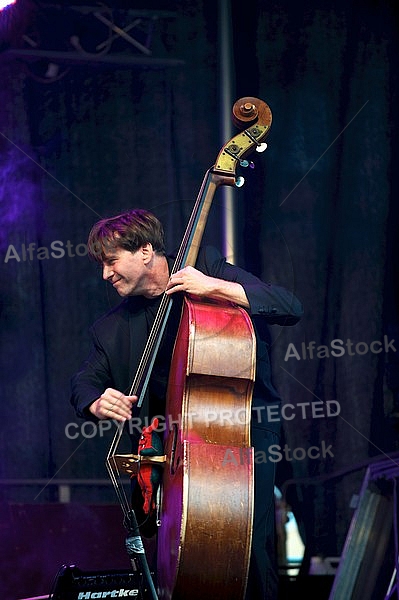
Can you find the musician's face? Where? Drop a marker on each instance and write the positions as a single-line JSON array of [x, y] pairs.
[[127, 271]]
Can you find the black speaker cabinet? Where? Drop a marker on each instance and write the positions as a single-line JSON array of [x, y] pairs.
[[71, 583]]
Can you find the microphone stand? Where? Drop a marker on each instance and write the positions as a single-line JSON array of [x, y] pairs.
[[135, 550]]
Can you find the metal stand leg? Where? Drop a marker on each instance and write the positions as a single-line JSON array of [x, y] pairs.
[[394, 583], [135, 550], [392, 587]]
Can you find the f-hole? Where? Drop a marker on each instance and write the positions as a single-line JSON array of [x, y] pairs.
[[174, 461]]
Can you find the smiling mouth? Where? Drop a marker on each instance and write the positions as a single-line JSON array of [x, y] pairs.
[[115, 282]]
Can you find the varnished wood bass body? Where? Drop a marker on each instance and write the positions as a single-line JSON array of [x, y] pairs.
[[204, 538]]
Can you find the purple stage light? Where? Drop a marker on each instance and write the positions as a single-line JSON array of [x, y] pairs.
[[5, 3]]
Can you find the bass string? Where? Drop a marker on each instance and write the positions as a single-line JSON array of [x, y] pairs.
[[148, 357]]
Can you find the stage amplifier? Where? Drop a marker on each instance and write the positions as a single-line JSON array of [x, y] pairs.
[[71, 583]]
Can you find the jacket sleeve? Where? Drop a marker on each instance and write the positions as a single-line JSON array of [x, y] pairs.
[[278, 305], [91, 380]]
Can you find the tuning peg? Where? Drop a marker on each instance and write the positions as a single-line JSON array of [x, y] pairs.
[[239, 181], [261, 147], [246, 163]]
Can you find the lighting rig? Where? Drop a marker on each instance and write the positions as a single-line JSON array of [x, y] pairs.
[[50, 38]]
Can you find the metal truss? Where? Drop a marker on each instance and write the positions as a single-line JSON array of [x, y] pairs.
[[62, 36]]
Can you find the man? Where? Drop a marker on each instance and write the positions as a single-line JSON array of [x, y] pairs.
[[130, 248]]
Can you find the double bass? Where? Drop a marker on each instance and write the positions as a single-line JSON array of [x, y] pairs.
[[206, 494]]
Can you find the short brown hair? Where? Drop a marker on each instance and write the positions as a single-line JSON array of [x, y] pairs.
[[130, 230]]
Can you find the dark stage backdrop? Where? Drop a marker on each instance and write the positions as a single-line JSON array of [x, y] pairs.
[[318, 214]]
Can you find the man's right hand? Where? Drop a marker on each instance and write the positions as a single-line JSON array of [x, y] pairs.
[[112, 404]]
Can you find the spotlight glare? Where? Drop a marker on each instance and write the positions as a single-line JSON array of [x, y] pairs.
[[5, 3]]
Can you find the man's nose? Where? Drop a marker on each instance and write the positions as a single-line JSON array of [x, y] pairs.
[[107, 272]]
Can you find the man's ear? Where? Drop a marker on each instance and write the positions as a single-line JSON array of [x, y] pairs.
[[147, 252]]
